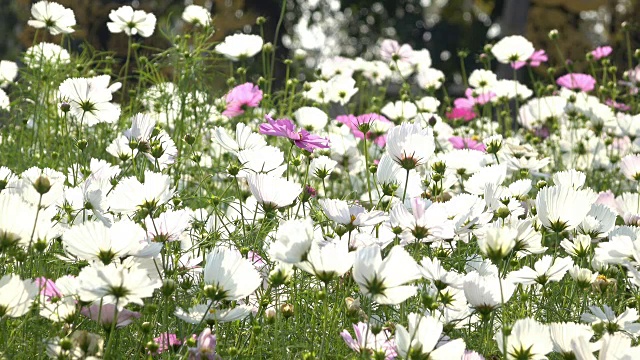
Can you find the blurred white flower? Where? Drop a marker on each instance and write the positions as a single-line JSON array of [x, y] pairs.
[[197, 15], [237, 46]]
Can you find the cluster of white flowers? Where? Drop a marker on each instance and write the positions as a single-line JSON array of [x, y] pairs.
[[457, 233]]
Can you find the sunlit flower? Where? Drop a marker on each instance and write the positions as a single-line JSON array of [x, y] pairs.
[[385, 280], [301, 138], [229, 276], [423, 339], [511, 49], [90, 100], [52, 16], [237, 46], [197, 15], [8, 72], [16, 295], [132, 22], [529, 339]]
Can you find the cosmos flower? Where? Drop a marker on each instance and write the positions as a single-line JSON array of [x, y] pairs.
[[601, 52], [577, 81], [197, 15], [512, 49], [460, 142], [423, 338], [242, 97], [385, 281], [301, 138], [132, 22], [368, 343], [16, 295], [237, 46], [52, 16], [535, 60], [229, 276]]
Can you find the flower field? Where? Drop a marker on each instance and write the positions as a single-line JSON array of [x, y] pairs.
[[191, 202]]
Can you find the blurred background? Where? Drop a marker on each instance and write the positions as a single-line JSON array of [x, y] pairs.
[[327, 28]]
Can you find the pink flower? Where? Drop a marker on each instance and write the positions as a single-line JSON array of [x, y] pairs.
[[480, 98], [166, 341], [461, 113], [391, 50], [125, 317], [355, 124], [534, 60], [459, 142], [368, 343], [616, 105], [601, 52], [206, 347], [302, 138], [471, 355], [242, 97], [578, 81], [607, 198], [48, 288]]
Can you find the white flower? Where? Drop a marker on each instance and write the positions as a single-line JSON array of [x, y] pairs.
[[512, 48], [328, 261], [52, 16], [197, 15], [410, 145], [195, 314], [4, 100], [545, 270], [529, 339], [563, 334], [322, 166], [430, 78], [311, 118], [229, 276], [432, 270], [426, 222], [132, 22], [624, 322], [244, 139], [130, 194], [90, 100], [8, 72], [355, 215], [483, 291], [563, 208], [45, 53], [115, 284], [630, 167], [385, 280], [481, 78], [340, 89], [16, 295], [273, 192], [616, 346], [400, 111], [422, 337], [496, 243], [293, 240], [239, 46]]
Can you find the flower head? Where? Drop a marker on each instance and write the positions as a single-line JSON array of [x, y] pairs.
[[52, 16], [301, 138], [242, 97], [132, 22], [577, 81]]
